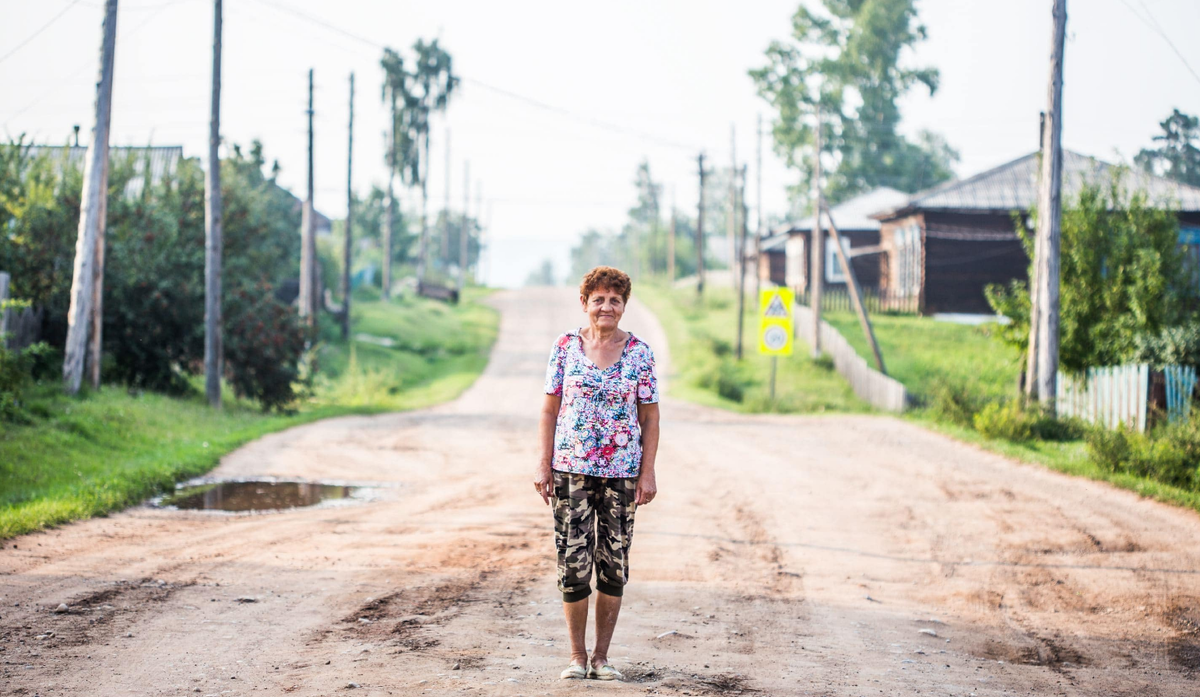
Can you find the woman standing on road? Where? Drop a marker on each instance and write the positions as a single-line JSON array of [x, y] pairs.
[[599, 436]]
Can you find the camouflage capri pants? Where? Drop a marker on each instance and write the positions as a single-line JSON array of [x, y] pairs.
[[593, 526]]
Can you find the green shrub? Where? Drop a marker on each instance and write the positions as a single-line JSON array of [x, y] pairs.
[[729, 385], [17, 371], [1169, 454], [953, 402], [1005, 420], [1012, 421], [1179, 345], [824, 362], [265, 345]]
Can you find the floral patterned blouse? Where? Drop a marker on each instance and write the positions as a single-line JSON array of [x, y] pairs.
[[597, 432]]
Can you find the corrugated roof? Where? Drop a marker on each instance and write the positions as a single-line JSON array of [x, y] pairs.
[[1013, 186], [163, 160], [854, 215]]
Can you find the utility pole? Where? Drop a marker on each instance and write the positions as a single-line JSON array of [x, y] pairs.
[[308, 229], [700, 234], [349, 221], [423, 246], [758, 221], [741, 250], [479, 220], [734, 262], [213, 340], [817, 248], [463, 230], [91, 211], [1031, 374], [446, 209], [671, 243], [1049, 218], [389, 218]]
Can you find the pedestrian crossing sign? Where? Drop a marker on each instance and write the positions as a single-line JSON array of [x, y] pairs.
[[775, 318]]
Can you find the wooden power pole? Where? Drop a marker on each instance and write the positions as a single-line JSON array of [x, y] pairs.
[[671, 243], [463, 229], [734, 262], [389, 218], [446, 210], [1046, 297], [91, 212], [308, 229], [700, 233], [346, 248], [1031, 352], [213, 340], [758, 220], [740, 206], [816, 280]]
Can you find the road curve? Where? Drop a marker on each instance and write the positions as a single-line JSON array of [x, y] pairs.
[[830, 555]]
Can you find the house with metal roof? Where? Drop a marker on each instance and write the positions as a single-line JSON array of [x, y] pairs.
[[786, 260], [160, 161], [944, 245]]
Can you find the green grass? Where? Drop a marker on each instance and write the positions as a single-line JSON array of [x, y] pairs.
[[923, 353], [920, 352], [702, 338], [1068, 457], [108, 449]]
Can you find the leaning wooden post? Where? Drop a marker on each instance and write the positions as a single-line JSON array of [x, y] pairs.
[[91, 212], [852, 285], [816, 280]]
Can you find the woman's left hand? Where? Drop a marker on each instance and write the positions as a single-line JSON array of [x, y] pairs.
[[647, 489]]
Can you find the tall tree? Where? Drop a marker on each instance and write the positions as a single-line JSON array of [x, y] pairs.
[[433, 81], [400, 151], [1176, 156], [849, 57]]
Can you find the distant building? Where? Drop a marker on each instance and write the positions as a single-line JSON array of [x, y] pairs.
[[946, 244], [162, 161], [786, 259]]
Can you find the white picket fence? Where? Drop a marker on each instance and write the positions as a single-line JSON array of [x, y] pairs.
[[1113, 397], [869, 384]]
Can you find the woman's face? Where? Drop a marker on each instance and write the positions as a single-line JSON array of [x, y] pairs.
[[604, 308]]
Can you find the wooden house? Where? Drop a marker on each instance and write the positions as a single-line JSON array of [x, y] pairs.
[[786, 260], [943, 246]]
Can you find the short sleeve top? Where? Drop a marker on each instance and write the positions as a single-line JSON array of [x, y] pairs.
[[597, 432]]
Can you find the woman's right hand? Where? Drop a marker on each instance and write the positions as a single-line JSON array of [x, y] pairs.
[[543, 482]]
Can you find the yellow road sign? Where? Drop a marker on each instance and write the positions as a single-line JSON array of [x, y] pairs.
[[775, 318]]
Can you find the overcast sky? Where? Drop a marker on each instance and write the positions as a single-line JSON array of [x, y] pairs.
[[560, 101]]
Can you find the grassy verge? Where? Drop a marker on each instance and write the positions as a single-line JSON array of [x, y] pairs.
[[927, 355], [109, 448], [922, 352], [702, 336]]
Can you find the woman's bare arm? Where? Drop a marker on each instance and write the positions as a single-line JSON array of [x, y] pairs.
[[542, 479], [647, 487]]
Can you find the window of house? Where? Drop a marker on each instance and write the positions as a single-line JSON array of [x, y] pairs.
[[908, 260], [1189, 240], [793, 276], [834, 273]]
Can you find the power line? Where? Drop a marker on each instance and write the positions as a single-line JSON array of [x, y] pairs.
[[1154, 26], [38, 33], [85, 65], [624, 130]]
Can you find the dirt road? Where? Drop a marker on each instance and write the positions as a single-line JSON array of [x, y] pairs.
[[784, 555]]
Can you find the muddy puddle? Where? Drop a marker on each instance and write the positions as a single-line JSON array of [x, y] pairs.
[[261, 495]]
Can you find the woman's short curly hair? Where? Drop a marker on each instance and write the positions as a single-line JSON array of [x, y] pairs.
[[606, 278]]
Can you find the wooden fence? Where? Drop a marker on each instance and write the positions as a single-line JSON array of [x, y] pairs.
[[18, 327], [876, 300], [1180, 385], [869, 384], [1113, 397]]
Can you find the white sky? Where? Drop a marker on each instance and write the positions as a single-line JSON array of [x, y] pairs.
[[674, 70]]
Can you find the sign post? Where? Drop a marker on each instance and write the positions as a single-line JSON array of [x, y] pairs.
[[775, 319]]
